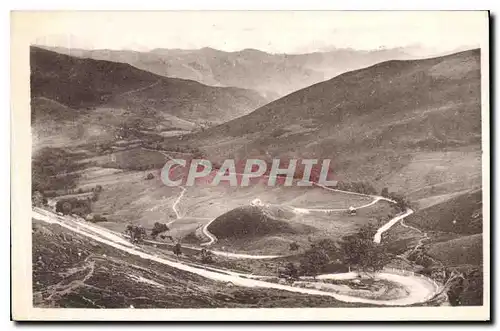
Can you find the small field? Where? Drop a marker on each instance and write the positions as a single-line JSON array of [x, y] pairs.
[[131, 159]]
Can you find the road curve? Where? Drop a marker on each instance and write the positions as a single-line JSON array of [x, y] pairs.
[[378, 236], [376, 198], [419, 289], [176, 202]]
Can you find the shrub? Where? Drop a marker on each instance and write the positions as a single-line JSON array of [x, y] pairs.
[[99, 218], [294, 246], [207, 256], [158, 228], [73, 206]]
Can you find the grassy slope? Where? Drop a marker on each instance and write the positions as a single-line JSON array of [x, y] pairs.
[[405, 110], [73, 271], [461, 215], [273, 75], [251, 222], [451, 243], [146, 101], [460, 251], [82, 82]]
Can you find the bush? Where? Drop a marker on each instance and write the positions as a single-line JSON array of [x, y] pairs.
[[158, 228], [73, 206], [314, 261], [207, 256], [402, 203], [359, 250], [99, 218], [136, 233], [177, 249], [38, 199], [95, 196], [294, 246], [150, 176]]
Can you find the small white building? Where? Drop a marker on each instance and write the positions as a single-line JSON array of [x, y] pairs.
[[256, 202]]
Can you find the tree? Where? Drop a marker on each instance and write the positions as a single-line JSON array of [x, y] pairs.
[[465, 288], [64, 206], [158, 228], [37, 199], [294, 246], [207, 256], [385, 192], [177, 249], [314, 260], [150, 176], [292, 271], [359, 250], [136, 233], [402, 203], [98, 188]]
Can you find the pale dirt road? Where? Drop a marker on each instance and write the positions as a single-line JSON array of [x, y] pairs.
[[419, 289], [378, 236], [141, 88], [376, 198]]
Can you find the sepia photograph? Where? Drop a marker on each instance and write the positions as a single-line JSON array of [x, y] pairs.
[[284, 165]]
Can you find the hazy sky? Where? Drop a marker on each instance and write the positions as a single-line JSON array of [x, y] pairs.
[[277, 32]]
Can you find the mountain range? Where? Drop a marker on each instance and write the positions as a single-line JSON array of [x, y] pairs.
[[272, 75], [370, 122], [100, 94]]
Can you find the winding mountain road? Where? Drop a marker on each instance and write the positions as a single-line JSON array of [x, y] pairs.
[[212, 238], [378, 236], [419, 289], [174, 206]]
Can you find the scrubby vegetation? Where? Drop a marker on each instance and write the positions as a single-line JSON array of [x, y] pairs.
[[54, 169]]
